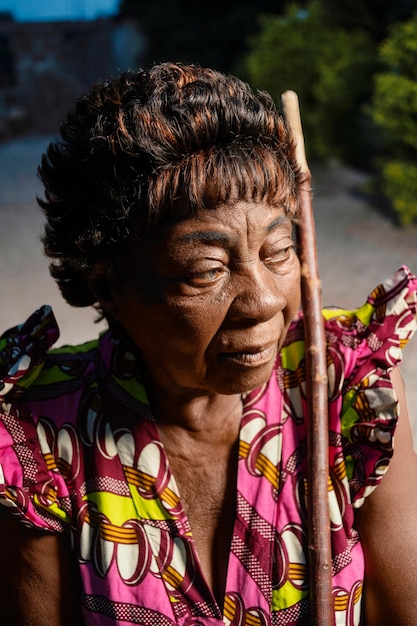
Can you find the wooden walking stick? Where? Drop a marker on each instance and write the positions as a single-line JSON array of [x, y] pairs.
[[320, 560]]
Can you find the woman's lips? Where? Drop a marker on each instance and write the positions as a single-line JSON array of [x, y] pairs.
[[251, 357]]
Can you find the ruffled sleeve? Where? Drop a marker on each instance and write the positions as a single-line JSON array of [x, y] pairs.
[[22, 351], [28, 485], [363, 348]]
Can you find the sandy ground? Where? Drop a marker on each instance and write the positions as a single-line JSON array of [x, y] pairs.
[[357, 248]]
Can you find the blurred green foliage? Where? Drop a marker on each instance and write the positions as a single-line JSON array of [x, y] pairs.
[[399, 183], [330, 69], [394, 111], [353, 64]]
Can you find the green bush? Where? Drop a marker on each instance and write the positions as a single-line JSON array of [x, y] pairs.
[[394, 111], [400, 186], [329, 68]]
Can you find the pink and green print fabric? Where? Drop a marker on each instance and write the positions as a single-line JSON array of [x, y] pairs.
[[80, 453]]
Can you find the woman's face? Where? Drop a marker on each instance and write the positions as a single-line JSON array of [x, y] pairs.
[[209, 305]]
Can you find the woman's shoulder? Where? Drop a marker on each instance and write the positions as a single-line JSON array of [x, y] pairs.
[[28, 359], [364, 346], [370, 337], [43, 392]]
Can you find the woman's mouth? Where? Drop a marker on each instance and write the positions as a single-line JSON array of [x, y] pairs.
[[252, 357]]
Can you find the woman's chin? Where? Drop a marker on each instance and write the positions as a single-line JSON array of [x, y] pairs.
[[243, 378]]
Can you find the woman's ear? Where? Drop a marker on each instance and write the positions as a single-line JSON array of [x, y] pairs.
[[103, 285]]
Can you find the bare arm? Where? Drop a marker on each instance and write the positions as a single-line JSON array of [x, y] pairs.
[[387, 523], [38, 586]]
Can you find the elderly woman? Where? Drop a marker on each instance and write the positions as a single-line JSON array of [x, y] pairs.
[[160, 470]]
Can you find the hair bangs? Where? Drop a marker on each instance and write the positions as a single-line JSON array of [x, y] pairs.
[[206, 180]]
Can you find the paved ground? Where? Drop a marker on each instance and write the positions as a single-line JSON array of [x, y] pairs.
[[357, 248]]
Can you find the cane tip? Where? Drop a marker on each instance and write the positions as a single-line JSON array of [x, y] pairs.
[[291, 113], [289, 97]]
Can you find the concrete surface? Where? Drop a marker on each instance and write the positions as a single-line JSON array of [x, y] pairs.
[[357, 248]]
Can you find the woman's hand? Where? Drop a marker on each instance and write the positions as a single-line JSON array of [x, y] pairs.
[[387, 524], [38, 584]]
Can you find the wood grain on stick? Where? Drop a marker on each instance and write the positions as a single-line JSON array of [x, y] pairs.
[[320, 562]]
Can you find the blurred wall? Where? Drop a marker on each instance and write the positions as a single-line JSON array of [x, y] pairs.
[[44, 66]]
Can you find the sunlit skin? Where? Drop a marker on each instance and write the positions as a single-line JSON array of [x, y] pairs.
[[208, 305], [225, 286], [207, 300]]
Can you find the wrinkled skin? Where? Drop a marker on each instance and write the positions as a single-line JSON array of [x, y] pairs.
[[224, 287], [209, 305]]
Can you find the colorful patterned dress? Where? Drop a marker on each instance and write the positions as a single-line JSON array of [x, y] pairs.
[[80, 453]]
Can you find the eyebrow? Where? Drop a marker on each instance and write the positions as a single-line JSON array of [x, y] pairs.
[[205, 236], [278, 221], [216, 237]]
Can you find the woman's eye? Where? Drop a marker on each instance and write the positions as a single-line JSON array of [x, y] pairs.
[[280, 255], [206, 277]]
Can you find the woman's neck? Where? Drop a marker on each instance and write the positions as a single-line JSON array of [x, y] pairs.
[[199, 414]]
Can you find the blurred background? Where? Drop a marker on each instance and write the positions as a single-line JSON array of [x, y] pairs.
[[352, 62]]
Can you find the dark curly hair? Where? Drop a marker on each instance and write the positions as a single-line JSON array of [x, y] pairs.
[[147, 145]]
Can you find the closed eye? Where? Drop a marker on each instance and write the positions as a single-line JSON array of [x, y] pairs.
[[280, 255], [203, 279]]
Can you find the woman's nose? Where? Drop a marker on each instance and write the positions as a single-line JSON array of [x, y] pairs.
[[258, 294]]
